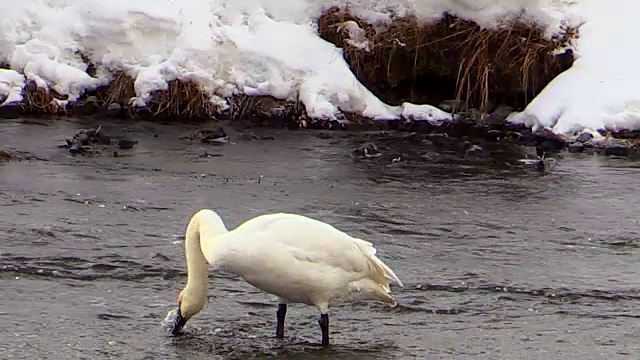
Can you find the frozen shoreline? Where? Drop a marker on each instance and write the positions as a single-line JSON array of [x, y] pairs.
[[227, 47], [266, 49]]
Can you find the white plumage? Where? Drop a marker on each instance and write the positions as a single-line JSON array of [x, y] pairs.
[[296, 258]]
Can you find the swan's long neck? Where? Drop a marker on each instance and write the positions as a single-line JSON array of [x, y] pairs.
[[200, 238]]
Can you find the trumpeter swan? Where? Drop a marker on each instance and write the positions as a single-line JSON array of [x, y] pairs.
[[297, 259]]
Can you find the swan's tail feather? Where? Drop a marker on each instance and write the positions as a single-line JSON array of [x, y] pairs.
[[381, 273]]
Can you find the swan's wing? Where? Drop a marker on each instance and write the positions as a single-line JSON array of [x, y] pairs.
[[378, 267], [316, 242]]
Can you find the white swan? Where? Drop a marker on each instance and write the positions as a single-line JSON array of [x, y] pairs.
[[297, 259]]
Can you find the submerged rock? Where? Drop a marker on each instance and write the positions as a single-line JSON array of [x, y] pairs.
[[618, 150], [547, 142], [126, 143], [627, 134], [88, 106], [92, 141], [540, 163], [251, 136], [208, 136], [576, 147], [216, 137], [367, 150], [614, 147], [115, 110], [498, 116], [16, 155], [494, 135], [6, 156], [546, 147], [475, 150], [584, 137]]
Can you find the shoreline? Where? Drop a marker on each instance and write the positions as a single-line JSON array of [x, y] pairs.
[[409, 66], [471, 132], [475, 98]]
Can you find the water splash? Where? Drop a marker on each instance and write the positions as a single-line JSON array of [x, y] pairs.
[[169, 321]]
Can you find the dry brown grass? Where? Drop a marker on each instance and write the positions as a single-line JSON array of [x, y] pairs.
[[451, 59], [186, 100], [181, 100], [39, 101], [262, 107], [120, 90]]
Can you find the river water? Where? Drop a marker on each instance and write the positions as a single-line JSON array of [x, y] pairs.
[[498, 263]]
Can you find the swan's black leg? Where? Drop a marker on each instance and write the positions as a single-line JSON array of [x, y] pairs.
[[282, 312], [324, 326]]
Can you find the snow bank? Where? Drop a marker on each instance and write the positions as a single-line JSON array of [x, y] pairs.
[[254, 47], [11, 85], [602, 88]]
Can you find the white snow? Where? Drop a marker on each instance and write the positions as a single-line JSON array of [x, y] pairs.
[[266, 47], [424, 113], [602, 89], [11, 85]]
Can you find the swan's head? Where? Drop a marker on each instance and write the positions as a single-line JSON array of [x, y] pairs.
[[189, 304]]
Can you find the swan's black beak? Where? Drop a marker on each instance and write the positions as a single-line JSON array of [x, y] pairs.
[[178, 323]]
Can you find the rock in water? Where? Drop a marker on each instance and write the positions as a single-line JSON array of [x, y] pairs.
[[217, 136], [367, 150], [615, 147], [208, 136], [5, 156], [618, 150], [576, 147], [546, 142], [475, 150], [494, 135], [584, 138], [92, 141], [498, 116], [126, 143]]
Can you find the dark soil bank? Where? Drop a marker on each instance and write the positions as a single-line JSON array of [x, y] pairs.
[[499, 262]]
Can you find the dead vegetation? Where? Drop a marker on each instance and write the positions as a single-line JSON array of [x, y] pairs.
[[119, 91], [181, 100], [406, 61], [262, 108], [450, 59], [186, 100], [39, 101]]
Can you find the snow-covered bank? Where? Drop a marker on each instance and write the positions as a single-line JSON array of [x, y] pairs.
[[228, 47], [601, 90], [11, 86]]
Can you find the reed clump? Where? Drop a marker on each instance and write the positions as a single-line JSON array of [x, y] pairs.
[[119, 91], [450, 59], [41, 101], [181, 100]]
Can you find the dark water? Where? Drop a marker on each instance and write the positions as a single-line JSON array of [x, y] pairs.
[[498, 263]]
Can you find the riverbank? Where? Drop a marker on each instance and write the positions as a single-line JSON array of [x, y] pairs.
[[358, 67], [402, 62], [471, 77], [471, 130]]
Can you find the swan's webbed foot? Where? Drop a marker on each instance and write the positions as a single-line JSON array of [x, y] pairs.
[[324, 326], [280, 315]]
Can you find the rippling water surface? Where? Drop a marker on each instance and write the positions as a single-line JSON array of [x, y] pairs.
[[498, 263]]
